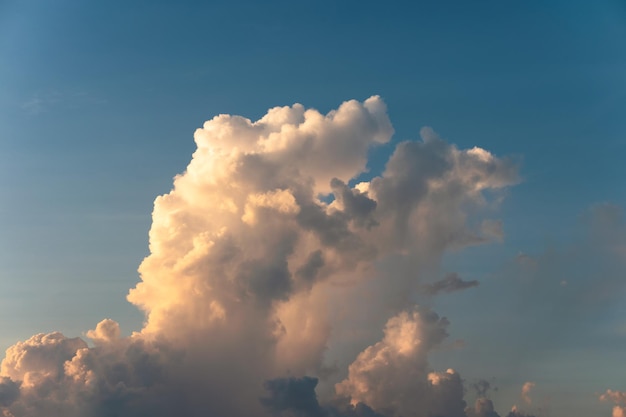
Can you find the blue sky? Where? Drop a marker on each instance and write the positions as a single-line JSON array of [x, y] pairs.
[[99, 102]]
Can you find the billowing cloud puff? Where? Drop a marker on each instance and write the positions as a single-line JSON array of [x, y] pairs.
[[526, 388], [393, 377], [265, 247], [619, 399], [106, 331], [40, 359], [59, 376]]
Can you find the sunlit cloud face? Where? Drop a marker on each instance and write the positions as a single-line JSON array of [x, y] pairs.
[[526, 389], [393, 375], [618, 398], [260, 255]]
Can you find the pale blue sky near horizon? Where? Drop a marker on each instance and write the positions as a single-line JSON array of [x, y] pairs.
[[99, 102]]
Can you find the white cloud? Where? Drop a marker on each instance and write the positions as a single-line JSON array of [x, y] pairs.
[[252, 277]]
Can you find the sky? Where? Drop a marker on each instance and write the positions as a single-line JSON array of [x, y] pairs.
[[405, 208]]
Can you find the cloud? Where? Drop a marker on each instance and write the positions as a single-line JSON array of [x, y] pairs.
[[393, 376], [618, 398], [484, 407], [255, 278], [452, 282], [432, 180], [526, 388]]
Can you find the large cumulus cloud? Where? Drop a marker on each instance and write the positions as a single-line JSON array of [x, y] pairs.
[[265, 247]]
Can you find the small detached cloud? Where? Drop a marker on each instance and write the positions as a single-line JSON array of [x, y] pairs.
[[618, 398], [393, 377], [107, 331], [526, 388]]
